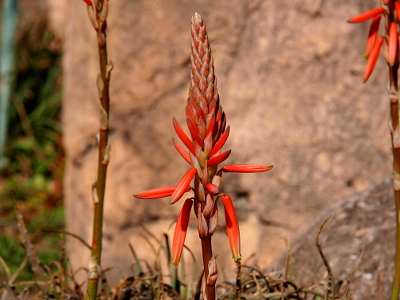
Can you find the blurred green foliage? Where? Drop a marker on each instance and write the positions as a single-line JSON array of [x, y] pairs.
[[34, 151]]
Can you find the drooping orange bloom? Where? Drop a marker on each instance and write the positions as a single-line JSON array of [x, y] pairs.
[[180, 232], [373, 57], [366, 15], [232, 226], [372, 35], [393, 42]]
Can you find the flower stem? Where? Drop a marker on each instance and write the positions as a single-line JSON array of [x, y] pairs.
[[99, 11], [394, 113], [207, 255]]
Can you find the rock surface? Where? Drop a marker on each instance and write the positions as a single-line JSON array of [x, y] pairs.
[[362, 221], [290, 82]]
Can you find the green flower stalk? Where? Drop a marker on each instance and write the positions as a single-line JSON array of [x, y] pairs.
[[97, 12], [206, 122]]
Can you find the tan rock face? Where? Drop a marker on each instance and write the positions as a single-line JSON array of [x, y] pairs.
[[364, 221], [290, 81]]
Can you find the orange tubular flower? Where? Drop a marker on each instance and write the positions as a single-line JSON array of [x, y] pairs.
[[182, 185], [247, 168], [392, 43], [182, 135], [232, 226], [373, 34], [180, 232], [218, 158], [212, 188], [367, 15], [373, 57], [181, 151], [159, 192], [397, 8]]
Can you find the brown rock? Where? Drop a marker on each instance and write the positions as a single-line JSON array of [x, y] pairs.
[[290, 82], [361, 221]]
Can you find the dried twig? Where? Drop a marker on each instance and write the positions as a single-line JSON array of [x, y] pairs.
[[331, 290]]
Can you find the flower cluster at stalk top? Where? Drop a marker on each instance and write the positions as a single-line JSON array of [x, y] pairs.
[[206, 122], [391, 16]]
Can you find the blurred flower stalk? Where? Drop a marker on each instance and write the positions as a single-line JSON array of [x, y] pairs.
[[97, 12], [388, 15], [7, 68], [206, 122]]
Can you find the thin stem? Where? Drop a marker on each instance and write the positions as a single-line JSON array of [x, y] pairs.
[[207, 255], [103, 83], [394, 113], [238, 280], [7, 69]]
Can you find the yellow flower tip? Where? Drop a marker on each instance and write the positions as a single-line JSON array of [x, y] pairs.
[[175, 264], [236, 258]]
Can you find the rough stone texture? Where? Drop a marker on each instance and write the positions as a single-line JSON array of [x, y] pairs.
[[290, 82], [365, 220]]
